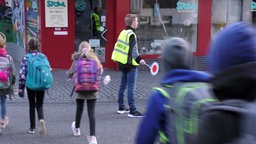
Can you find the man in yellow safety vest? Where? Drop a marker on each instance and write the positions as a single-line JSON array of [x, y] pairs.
[[127, 55], [95, 22]]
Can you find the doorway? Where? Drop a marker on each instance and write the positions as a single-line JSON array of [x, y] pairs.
[[84, 30]]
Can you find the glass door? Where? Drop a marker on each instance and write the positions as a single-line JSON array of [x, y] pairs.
[[90, 25]]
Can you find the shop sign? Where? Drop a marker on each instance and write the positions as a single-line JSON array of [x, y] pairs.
[[80, 5], [185, 7], [55, 4], [56, 13], [253, 6]]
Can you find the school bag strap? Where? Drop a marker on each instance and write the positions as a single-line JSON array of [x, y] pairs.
[[163, 90]]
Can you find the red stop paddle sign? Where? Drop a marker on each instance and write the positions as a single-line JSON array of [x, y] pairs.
[[154, 68]]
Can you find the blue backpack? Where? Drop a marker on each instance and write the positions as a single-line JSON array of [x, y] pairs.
[[39, 76]]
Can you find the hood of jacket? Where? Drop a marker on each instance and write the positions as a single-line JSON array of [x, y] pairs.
[[237, 82], [184, 75], [232, 60]]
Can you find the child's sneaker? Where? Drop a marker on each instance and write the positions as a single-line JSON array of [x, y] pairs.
[[123, 110], [4, 122], [76, 131], [42, 128], [92, 140], [31, 131]]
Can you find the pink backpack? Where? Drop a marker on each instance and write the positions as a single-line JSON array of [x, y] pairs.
[[86, 76], [5, 72]]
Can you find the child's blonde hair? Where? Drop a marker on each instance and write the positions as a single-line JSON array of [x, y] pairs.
[[2, 40], [85, 50]]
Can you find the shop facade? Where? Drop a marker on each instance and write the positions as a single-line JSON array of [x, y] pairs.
[[62, 24]]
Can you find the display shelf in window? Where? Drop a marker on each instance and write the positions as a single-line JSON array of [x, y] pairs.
[[143, 20], [157, 20]]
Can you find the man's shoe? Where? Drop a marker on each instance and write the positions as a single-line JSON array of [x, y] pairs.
[[76, 131], [135, 114], [42, 128], [123, 110]]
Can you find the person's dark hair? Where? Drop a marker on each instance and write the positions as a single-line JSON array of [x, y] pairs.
[[33, 44], [97, 9]]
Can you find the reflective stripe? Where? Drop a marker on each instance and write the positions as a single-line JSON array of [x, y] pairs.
[[194, 114], [122, 47], [130, 32], [120, 51], [123, 42], [180, 119], [162, 91], [163, 138]]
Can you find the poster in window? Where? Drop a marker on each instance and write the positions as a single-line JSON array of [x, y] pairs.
[[56, 13]]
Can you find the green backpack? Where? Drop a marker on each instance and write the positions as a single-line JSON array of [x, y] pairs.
[[187, 102]]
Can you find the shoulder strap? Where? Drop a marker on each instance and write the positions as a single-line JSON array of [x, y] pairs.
[[163, 90], [28, 55]]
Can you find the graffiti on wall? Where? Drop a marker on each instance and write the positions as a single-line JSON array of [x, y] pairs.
[[18, 20], [12, 21], [6, 25], [32, 18]]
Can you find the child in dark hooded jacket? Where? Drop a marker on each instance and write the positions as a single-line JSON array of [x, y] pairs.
[[232, 61], [176, 61]]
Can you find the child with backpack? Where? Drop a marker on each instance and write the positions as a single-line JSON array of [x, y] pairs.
[[7, 79], [85, 72], [164, 121], [232, 61], [35, 75]]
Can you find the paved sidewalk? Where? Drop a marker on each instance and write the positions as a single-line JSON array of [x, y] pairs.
[[62, 87], [59, 108], [111, 128]]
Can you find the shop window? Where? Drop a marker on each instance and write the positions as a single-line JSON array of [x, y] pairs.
[[225, 12], [160, 19]]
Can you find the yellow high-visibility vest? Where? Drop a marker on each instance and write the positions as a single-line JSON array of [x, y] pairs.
[[97, 20], [121, 49]]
